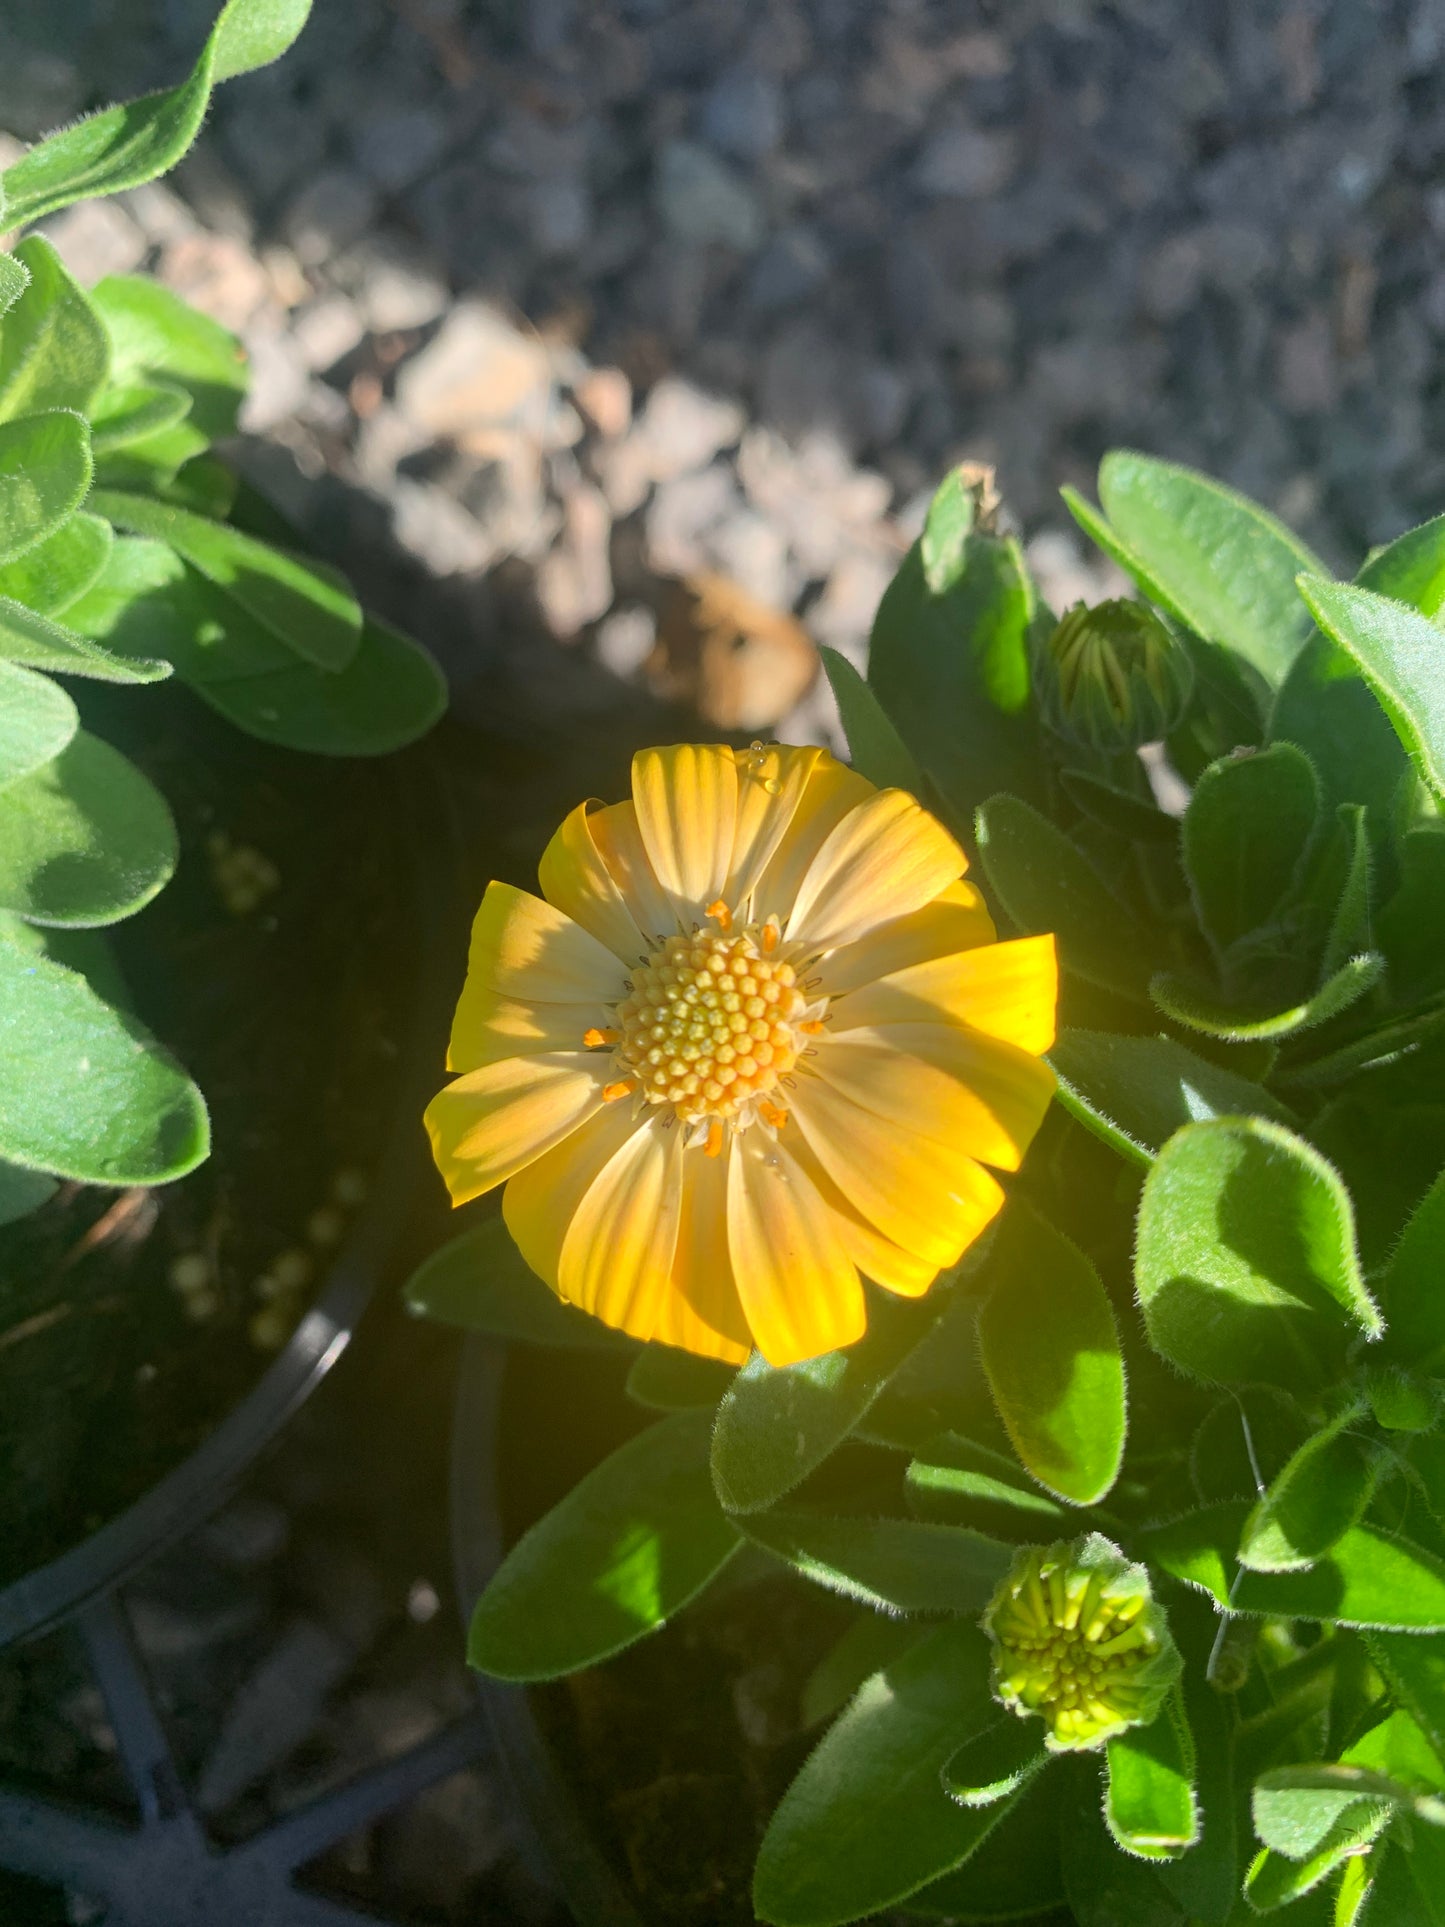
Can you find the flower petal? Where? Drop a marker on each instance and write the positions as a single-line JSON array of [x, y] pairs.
[[524, 948], [877, 1257], [832, 789], [616, 1259], [541, 1201], [771, 782], [488, 1028], [618, 838], [1007, 990], [982, 1097], [799, 1288], [705, 1300], [686, 798], [490, 1123], [887, 857], [926, 1197], [575, 878], [955, 920]]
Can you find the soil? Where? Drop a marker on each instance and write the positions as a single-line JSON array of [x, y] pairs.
[[277, 966]]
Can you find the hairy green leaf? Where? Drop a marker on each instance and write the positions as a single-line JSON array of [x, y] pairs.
[[481, 1282], [893, 1565], [874, 745], [1246, 831], [1135, 1092], [37, 720], [45, 470], [53, 347]]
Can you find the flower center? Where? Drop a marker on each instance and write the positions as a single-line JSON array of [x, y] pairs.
[[712, 1023], [1070, 1653]]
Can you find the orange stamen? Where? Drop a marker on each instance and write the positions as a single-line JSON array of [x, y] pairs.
[[814, 1027], [622, 1088], [720, 914], [772, 934], [714, 1144], [594, 1037], [773, 1114]]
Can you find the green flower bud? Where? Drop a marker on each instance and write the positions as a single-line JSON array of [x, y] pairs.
[[1080, 1641], [1112, 677]]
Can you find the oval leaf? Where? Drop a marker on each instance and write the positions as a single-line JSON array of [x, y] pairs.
[[481, 1282], [1398, 652], [45, 469], [37, 720], [59, 570], [875, 748], [623, 1552], [995, 1762], [53, 347], [1245, 1264], [1150, 1806], [1203, 1012], [666, 1380], [1248, 826], [1051, 1351], [962, 1483], [1136, 1092], [893, 1565], [1318, 1496]]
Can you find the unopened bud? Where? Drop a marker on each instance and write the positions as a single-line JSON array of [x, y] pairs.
[[1112, 677]]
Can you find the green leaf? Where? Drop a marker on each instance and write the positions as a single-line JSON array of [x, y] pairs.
[[1412, 923], [893, 1565], [1051, 1351], [123, 146], [1245, 1264], [1296, 1808], [1200, 1011], [875, 748], [1414, 1671], [1407, 1886], [1149, 1801], [131, 414], [1325, 707], [1117, 810], [952, 516], [1350, 933], [994, 1763], [955, 1480], [1398, 653], [304, 607], [1248, 826], [667, 1380], [1368, 1578], [866, 1822], [22, 1192], [1411, 568], [59, 570], [1107, 1888], [41, 643], [37, 720], [159, 340], [777, 1423], [1411, 1291], [13, 278], [951, 670], [873, 1641], [1045, 883], [1275, 1882], [85, 1091], [1212, 558], [53, 347], [1313, 1502], [1135, 1092], [481, 1282], [627, 1549], [44, 472], [84, 841], [1015, 1874]]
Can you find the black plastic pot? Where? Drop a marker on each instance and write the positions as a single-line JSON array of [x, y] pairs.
[[560, 1835], [166, 1873]]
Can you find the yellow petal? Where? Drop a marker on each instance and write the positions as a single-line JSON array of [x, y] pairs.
[[704, 1312], [771, 784], [799, 1288], [877, 1257], [955, 920], [490, 1123], [523, 948], [686, 800], [1008, 990], [927, 1197], [488, 1028], [575, 878], [831, 791], [984, 1098], [616, 1258], [540, 1202], [887, 857], [618, 838]]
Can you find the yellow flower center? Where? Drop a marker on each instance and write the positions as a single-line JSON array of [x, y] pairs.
[[1070, 1653], [712, 1023]]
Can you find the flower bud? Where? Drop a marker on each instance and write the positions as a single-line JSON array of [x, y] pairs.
[[1112, 677], [1079, 1640]]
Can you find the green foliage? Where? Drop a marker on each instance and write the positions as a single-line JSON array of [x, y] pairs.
[[874, 745], [480, 1282], [1397, 651], [630, 1546], [1136, 1092], [1247, 831], [893, 1565], [45, 469], [1150, 1806], [1313, 1501], [37, 720]]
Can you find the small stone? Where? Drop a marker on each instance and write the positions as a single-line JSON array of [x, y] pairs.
[[326, 332], [789, 269], [574, 581], [743, 114], [843, 615], [624, 640], [1308, 377], [681, 514], [1065, 574], [328, 215], [162, 216], [966, 163], [604, 396], [476, 376], [38, 90], [753, 553], [395, 149], [269, 1328], [292, 1268], [558, 216], [218, 274], [395, 286], [190, 1272], [702, 200], [349, 1188], [278, 380], [276, 1707], [96, 238], [326, 1226], [1171, 277], [739, 663]]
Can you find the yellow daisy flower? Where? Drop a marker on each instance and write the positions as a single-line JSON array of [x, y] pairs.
[[755, 1037]]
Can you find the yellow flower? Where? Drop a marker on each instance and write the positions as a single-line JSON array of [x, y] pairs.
[[755, 1037]]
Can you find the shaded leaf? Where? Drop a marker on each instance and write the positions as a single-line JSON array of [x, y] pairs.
[[45, 470], [1397, 651], [873, 1641], [131, 414], [893, 1565], [955, 1480], [1410, 1291], [37, 720], [1203, 1012], [1312, 1502], [1135, 1092], [627, 1549], [672, 1381], [53, 347], [875, 748], [41, 643], [1150, 1807], [22, 1192], [59, 570], [995, 1763], [159, 339], [1248, 826], [481, 1282]]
